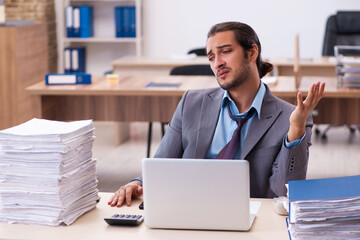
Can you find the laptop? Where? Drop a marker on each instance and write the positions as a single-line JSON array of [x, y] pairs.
[[197, 194]]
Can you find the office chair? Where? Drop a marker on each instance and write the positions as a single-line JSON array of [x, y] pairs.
[[198, 51], [188, 70], [341, 29]]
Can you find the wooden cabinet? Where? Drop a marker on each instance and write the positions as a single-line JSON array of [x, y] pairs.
[[103, 47], [23, 62]]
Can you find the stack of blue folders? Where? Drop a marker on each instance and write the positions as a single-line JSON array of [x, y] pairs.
[[79, 21], [47, 172], [125, 21], [324, 208]]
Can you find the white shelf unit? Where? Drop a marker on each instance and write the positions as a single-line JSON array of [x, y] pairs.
[[104, 47]]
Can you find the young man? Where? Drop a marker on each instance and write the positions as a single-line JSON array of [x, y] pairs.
[[274, 136]]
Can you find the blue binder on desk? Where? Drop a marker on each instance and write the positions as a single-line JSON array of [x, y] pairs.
[[67, 78], [326, 188], [328, 192]]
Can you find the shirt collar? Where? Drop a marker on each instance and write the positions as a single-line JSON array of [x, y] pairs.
[[255, 104]]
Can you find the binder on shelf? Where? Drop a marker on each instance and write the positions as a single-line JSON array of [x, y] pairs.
[[69, 21], [132, 22], [67, 78], [86, 21], [76, 22], [67, 60], [119, 31], [125, 21], [74, 60]]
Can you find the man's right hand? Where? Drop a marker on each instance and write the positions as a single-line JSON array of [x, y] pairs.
[[125, 193]]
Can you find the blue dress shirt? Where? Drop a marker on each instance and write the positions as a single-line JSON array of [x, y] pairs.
[[226, 126]]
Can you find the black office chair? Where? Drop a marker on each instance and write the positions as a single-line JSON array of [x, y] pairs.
[[341, 29], [187, 70], [198, 51], [194, 70]]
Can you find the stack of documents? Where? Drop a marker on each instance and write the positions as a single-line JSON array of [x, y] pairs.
[[348, 66], [47, 173], [325, 208]]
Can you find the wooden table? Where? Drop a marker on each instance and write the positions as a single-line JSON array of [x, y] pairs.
[[131, 100], [317, 66], [320, 66], [267, 225], [154, 66]]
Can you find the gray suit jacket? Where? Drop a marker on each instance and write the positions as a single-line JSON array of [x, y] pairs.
[[272, 164]]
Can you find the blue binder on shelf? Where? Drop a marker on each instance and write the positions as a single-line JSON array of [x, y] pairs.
[[86, 22], [76, 22], [119, 28], [125, 21], [74, 60], [69, 21], [67, 60], [67, 78]]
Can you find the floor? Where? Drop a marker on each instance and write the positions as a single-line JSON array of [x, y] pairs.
[[116, 165]]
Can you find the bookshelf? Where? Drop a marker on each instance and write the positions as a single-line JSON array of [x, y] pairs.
[[103, 47]]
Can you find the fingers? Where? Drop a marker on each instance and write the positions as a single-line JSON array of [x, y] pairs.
[[118, 198], [125, 194], [316, 92]]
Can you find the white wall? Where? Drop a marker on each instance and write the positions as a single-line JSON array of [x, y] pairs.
[[172, 27], [175, 26]]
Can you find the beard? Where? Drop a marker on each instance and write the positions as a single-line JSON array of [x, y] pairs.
[[240, 76]]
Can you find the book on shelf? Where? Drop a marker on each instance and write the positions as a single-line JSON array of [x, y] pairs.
[[324, 208], [79, 21], [74, 60], [125, 21]]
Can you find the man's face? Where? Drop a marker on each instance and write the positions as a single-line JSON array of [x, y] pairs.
[[227, 60]]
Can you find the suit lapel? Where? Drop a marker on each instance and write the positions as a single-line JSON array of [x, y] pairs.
[[269, 113], [209, 116]]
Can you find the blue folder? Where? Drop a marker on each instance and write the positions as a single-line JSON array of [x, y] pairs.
[[326, 188], [78, 60], [125, 21], [75, 60], [86, 21], [76, 22], [69, 20], [67, 78], [119, 28]]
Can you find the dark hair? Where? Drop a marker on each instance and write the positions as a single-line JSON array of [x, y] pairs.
[[246, 37]]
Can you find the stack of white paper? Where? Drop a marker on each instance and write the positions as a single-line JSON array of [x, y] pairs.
[[325, 208], [47, 173]]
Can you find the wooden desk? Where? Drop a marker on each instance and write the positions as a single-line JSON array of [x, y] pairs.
[[130, 100], [152, 65], [267, 225], [321, 66]]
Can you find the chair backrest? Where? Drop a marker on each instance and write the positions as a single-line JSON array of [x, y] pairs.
[[198, 51], [341, 29], [201, 69]]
